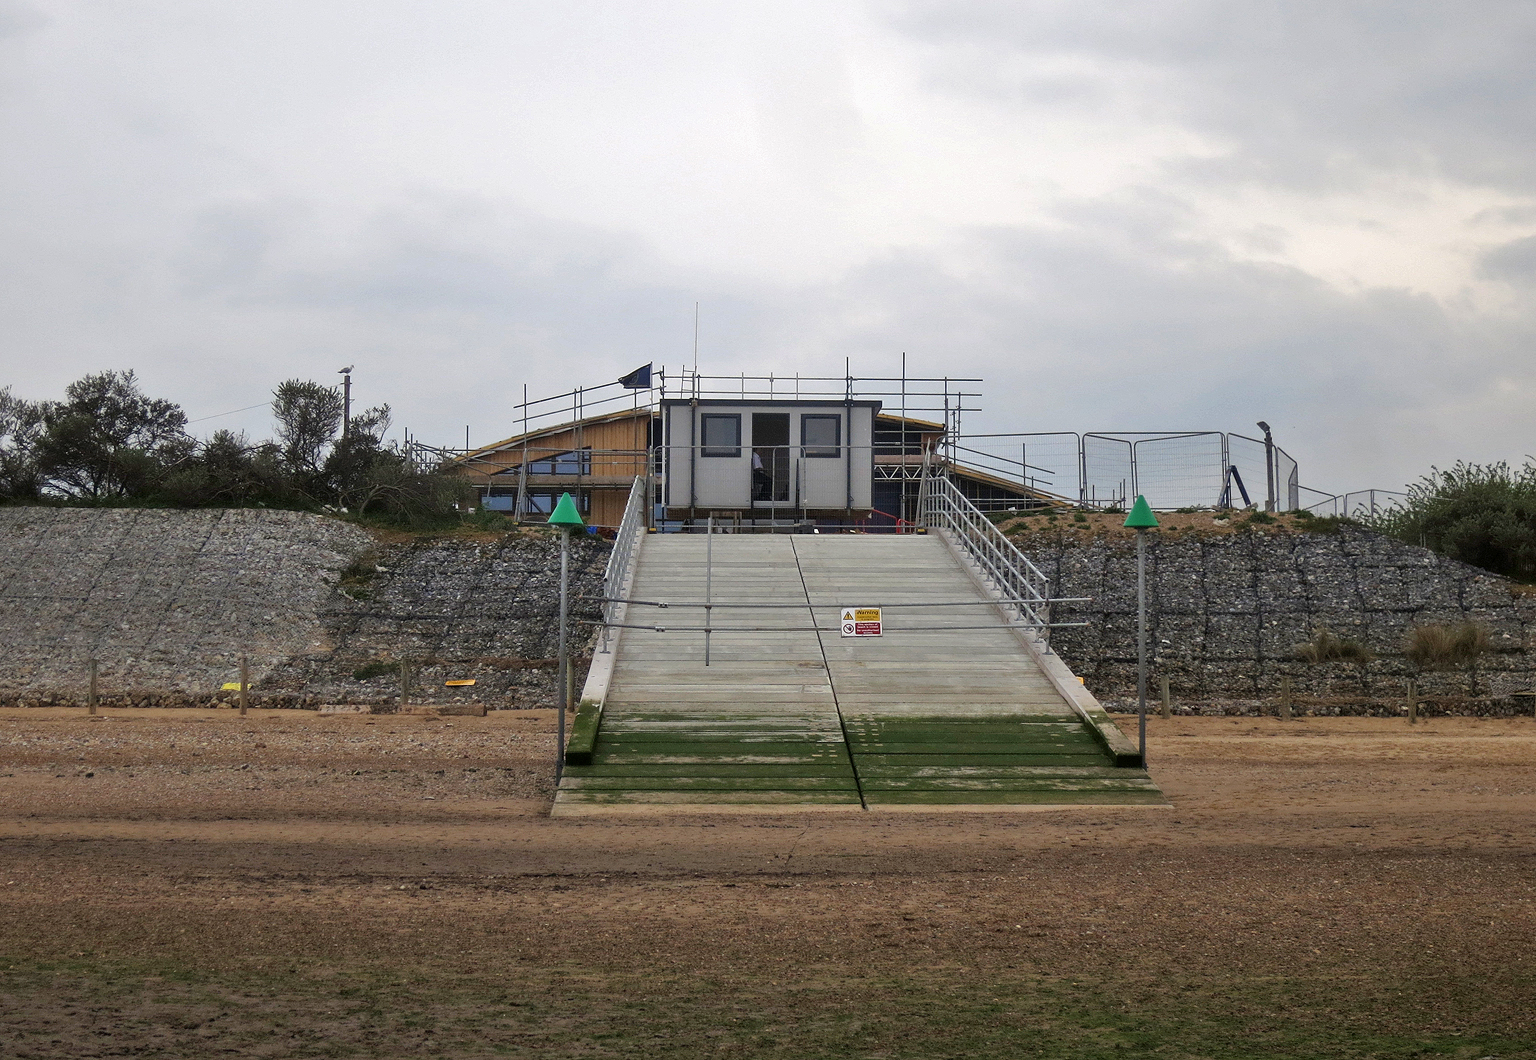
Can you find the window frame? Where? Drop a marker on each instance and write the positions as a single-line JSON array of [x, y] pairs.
[[719, 450], [572, 462], [820, 450]]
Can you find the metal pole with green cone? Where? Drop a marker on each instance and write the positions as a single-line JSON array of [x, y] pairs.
[[567, 519], [1141, 520]]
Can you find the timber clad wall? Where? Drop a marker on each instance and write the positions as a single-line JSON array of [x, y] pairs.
[[617, 448]]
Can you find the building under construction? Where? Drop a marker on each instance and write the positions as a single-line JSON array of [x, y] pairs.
[[746, 450]]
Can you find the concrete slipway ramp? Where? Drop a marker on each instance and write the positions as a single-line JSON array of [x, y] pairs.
[[949, 708]]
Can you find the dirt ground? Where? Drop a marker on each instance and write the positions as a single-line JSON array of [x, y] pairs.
[[194, 883]]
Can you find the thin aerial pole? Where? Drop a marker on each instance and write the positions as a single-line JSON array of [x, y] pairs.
[[904, 434], [522, 475], [709, 573]]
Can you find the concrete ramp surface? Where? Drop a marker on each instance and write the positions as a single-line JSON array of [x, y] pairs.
[[949, 707]]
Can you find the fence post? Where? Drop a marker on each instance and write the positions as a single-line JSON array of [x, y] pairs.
[[1167, 698], [1285, 698], [90, 696], [245, 683], [405, 684], [1413, 702]]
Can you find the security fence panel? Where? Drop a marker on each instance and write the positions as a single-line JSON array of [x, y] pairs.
[[1247, 475], [1287, 486], [1180, 470], [1053, 463], [1367, 503], [1108, 471]]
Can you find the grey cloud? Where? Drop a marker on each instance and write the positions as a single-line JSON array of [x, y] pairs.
[[1514, 261], [18, 18], [1312, 91]]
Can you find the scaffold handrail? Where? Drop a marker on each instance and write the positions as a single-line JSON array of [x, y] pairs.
[[1020, 585], [616, 574]]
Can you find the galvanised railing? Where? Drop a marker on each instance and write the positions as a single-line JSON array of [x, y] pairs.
[[631, 529], [941, 506]]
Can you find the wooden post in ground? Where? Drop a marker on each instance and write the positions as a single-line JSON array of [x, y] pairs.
[[1413, 702], [1167, 698], [405, 684], [245, 683], [90, 696], [1285, 698]]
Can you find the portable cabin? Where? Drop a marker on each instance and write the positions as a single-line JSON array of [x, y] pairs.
[[768, 459]]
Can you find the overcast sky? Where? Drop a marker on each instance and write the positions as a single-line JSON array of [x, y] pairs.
[[1134, 215]]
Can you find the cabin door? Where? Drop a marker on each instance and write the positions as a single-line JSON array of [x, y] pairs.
[[771, 465]]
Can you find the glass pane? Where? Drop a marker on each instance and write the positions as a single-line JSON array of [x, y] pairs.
[[821, 435], [721, 435]]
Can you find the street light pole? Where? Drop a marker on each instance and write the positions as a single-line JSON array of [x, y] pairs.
[[1269, 467], [346, 400], [1141, 520]]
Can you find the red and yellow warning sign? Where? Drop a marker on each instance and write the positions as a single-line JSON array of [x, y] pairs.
[[861, 622]]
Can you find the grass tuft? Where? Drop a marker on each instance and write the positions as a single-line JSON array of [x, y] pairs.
[[1327, 646], [1438, 646]]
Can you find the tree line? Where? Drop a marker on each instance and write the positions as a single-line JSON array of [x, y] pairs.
[[107, 442]]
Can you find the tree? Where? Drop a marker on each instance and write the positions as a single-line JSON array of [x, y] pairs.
[[107, 439], [308, 416], [21, 427]]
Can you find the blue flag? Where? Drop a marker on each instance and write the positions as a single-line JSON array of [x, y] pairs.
[[639, 379]]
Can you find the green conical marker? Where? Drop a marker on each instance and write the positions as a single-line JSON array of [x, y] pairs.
[[1141, 517], [565, 513]]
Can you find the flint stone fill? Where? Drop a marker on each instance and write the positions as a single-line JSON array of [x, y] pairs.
[[1225, 613], [168, 601]]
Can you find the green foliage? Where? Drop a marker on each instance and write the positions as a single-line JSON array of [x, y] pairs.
[[308, 416], [1326, 646], [21, 428], [108, 443], [375, 668], [1261, 518], [1482, 514], [229, 471], [1313, 523], [1445, 647], [108, 440]]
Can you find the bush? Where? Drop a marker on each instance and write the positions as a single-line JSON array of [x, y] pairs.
[[1484, 515], [1445, 647], [1325, 646], [375, 668]]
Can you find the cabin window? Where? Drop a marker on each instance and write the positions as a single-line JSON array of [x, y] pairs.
[[721, 434], [821, 436]]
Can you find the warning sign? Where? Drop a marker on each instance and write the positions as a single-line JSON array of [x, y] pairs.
[[861, 622]]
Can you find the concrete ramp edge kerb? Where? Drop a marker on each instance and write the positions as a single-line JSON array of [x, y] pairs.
[[1115, 743], [594, 693]]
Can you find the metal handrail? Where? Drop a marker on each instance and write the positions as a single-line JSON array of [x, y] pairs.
[[616, 574], [1016, 579]]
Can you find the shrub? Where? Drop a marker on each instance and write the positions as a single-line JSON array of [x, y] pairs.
[[1445, 647], [1326, 646], [375, 668], [1484, 515]]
